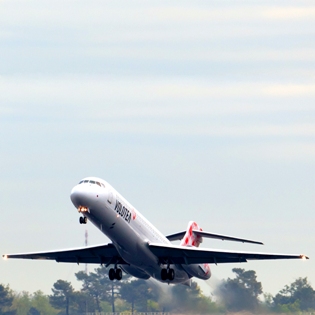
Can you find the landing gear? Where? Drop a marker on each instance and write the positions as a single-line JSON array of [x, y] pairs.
[[167, 274], [111, 274], [164, 274], [171, 274], [83, 220], [118, 274], [115, 274]]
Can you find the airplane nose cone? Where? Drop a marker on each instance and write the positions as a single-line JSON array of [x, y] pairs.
[[74, 196], [86, 196], [79, 196]]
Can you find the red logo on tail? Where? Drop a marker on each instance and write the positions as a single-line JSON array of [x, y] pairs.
[[190, 238]]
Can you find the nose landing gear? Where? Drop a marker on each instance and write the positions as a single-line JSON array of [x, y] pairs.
[[83, 220]]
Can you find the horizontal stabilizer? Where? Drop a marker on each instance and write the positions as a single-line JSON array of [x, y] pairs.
[[180, 235]]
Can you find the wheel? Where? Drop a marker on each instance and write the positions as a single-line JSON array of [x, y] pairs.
[[171, 274], [111, 274], [163, 274], [118, 274], [83, 220]]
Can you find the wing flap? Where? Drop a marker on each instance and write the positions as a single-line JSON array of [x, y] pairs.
[[102, 254], [194, 255]]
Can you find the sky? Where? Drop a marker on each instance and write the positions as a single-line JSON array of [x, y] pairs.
[[192, 110]]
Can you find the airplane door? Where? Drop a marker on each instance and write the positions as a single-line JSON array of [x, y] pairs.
[[110, 197]]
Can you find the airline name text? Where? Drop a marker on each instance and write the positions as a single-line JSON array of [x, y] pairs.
[[123, 211]]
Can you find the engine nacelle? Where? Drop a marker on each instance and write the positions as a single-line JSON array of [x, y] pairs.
[[201, 271]]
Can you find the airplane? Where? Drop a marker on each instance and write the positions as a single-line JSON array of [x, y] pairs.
[[137, 247]]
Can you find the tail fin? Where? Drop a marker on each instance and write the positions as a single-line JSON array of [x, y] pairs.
[[190, 238]]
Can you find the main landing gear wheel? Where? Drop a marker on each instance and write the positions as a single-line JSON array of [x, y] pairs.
[[111, 274], [115, 274], [164, 274], [171, 274], [83, 220], [118, 274], [167, 274]]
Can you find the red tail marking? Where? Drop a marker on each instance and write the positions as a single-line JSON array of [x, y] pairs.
[[190, 239]]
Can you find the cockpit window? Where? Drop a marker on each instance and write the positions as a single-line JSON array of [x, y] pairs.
[[92, 182]]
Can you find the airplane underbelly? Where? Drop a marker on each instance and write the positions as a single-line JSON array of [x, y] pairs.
[[136, 272], [137, 253], [142, 263]]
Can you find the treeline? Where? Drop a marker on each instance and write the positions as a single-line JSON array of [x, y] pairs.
[[99, 294]]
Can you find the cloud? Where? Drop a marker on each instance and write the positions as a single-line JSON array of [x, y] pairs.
[[212, 39], [107, 21], [185, 128], [276, 151], [151, 106], [188, 94], [290, 13]]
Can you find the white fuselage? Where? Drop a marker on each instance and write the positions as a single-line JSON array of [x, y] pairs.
[[128, 230]]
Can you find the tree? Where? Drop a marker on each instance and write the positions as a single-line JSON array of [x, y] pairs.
[[189, 299], [91, 288], [136, 292], [83, 302], [33, 311], [299, 294], [6, 299], [111, 288], [99, 287], [22, 303], [40, 302], [241, 293], [62, 296]]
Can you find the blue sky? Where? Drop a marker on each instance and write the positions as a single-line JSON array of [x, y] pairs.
[[192, 110]]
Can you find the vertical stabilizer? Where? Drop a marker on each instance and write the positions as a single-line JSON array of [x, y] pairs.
[[190, 238]]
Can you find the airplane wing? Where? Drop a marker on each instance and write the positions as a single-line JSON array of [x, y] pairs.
[[193, 255], [102, 254], [180, 235]]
